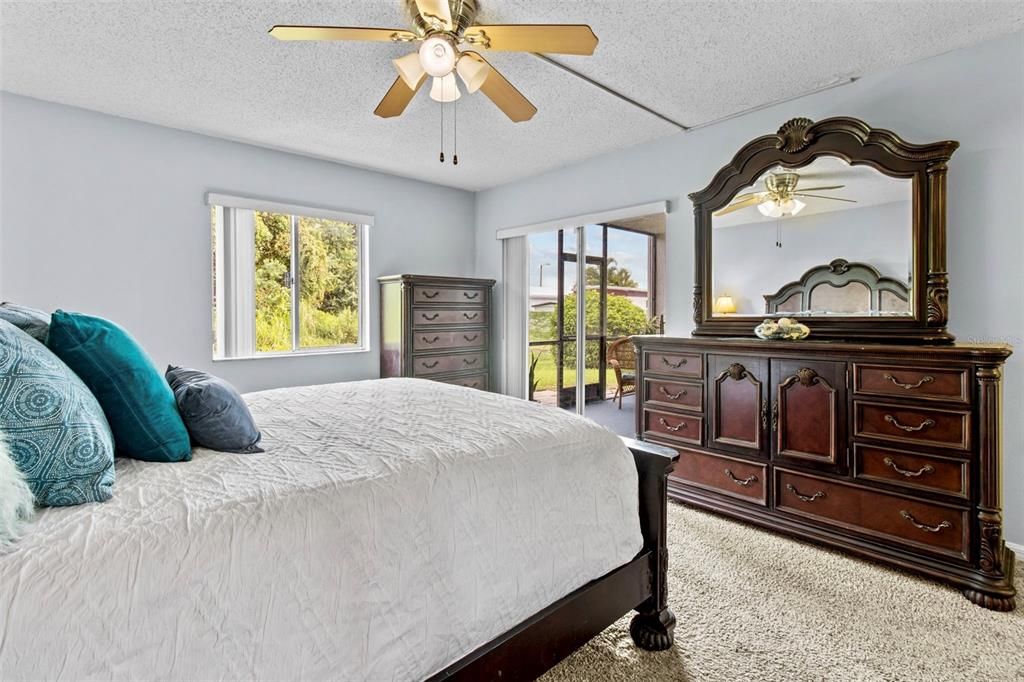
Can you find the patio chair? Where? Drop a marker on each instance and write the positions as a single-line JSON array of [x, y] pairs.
[[622, 359]]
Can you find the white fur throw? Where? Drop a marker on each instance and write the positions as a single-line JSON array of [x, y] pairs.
[[17, 505]]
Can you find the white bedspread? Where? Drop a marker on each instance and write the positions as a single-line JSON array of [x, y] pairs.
[[391, 527]]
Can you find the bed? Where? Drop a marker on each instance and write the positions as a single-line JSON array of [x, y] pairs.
[[395, 529], [840, 288]]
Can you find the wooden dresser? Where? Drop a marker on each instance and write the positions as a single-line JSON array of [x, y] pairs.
[[436, 328], [889, 451]]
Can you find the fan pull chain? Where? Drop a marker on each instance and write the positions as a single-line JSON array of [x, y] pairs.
[[455, 156], [778, 233], [442, 126]]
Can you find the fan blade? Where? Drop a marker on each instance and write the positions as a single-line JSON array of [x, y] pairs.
[[547, 38], [436, 9], [751, 201], [342, 33], [397, 98], [504, 94], [816, 189], [819, 196]]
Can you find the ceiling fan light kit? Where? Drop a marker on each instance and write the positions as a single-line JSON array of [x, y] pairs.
[[442, 26]]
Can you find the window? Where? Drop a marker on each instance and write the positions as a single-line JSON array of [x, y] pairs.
[[287, 279]]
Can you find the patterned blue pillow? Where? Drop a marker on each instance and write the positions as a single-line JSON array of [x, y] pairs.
[[35, 323], [55, 429]]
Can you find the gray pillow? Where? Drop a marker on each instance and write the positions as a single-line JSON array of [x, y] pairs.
[[35, 323], [214, 413]]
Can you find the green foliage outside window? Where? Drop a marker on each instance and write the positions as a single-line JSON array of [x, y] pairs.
[[328, 283]]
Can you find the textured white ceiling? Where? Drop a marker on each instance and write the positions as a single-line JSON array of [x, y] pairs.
[[210, 67]]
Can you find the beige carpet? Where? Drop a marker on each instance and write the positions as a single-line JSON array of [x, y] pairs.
[[753, 605]]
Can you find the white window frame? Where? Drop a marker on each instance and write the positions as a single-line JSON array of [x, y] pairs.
[[235, 323]]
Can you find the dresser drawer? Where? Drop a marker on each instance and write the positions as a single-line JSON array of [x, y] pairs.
[[922, 383], [679, 394], [478, 381], [429, 294], [913, 424], [426, 365], [434, 340], [427, 317], [683, 428], [675, 364], [912, 470], [727, 475], [926, 525]]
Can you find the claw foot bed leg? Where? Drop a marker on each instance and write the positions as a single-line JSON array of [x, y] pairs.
[[653, 631]]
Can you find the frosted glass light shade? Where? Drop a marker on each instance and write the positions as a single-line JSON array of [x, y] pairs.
[[445, 89], [472, 72], [437, 56], [781, 209], [410, 69]]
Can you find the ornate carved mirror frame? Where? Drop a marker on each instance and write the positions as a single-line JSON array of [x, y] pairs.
[[797, 143]]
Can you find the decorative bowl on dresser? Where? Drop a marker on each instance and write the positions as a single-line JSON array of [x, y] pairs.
[[878, 434], [436, 328]]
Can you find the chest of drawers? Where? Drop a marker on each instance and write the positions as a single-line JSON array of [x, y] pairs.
[[891, 452], [436, 328]]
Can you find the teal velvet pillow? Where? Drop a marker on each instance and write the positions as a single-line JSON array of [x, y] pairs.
[[54, 428], [133, 394]]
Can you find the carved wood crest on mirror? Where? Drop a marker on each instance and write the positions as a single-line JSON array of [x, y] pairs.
[[836, 224]]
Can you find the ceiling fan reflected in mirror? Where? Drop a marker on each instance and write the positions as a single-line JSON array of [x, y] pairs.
[[445, 31], [780, 196]]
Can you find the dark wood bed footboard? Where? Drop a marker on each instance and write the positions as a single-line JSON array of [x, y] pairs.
[[537, 644]]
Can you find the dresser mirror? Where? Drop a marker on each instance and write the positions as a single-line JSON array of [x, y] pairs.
[[830, 239], [835, 224]]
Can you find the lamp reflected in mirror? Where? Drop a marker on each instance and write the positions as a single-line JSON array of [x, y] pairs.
[[725, 305]]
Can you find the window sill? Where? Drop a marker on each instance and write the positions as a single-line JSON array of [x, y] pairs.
[[296, 354]]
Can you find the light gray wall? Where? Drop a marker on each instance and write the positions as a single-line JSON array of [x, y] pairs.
[[974, 95], [106, 216], [878, 235]]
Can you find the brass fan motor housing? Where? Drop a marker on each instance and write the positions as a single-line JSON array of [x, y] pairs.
[[781, 185], [463, 15]]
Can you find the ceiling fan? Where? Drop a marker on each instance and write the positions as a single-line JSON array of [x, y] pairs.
[[443, 28], [779, 198]]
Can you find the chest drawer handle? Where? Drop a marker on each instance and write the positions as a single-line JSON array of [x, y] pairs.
[[741, 481], [926, 424], [430, 318], [471, 317], [926, 469], [471, 339], [429, 365], [471, 296], [670, 395], [910, 387], [924, 526], [430, 294], [433, 340], [469, 361], [673, 365], [673, 429], [806, 498]]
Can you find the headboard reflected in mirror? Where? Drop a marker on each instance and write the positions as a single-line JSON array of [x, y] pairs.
[[840, 288]]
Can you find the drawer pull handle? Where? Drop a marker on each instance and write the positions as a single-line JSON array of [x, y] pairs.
[[741, 481], [673, 365], [471, 296], [469, 361], [430, 365], [471, 317], [430, 294], [926, 469], [471, 339], [924, 526], [805, 498], [673, 429], [926, 424], [433, 340], [671, 396], [910, 387], [430, 318]]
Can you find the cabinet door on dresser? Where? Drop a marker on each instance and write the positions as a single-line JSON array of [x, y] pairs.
[[808, 413], [737, 401]]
